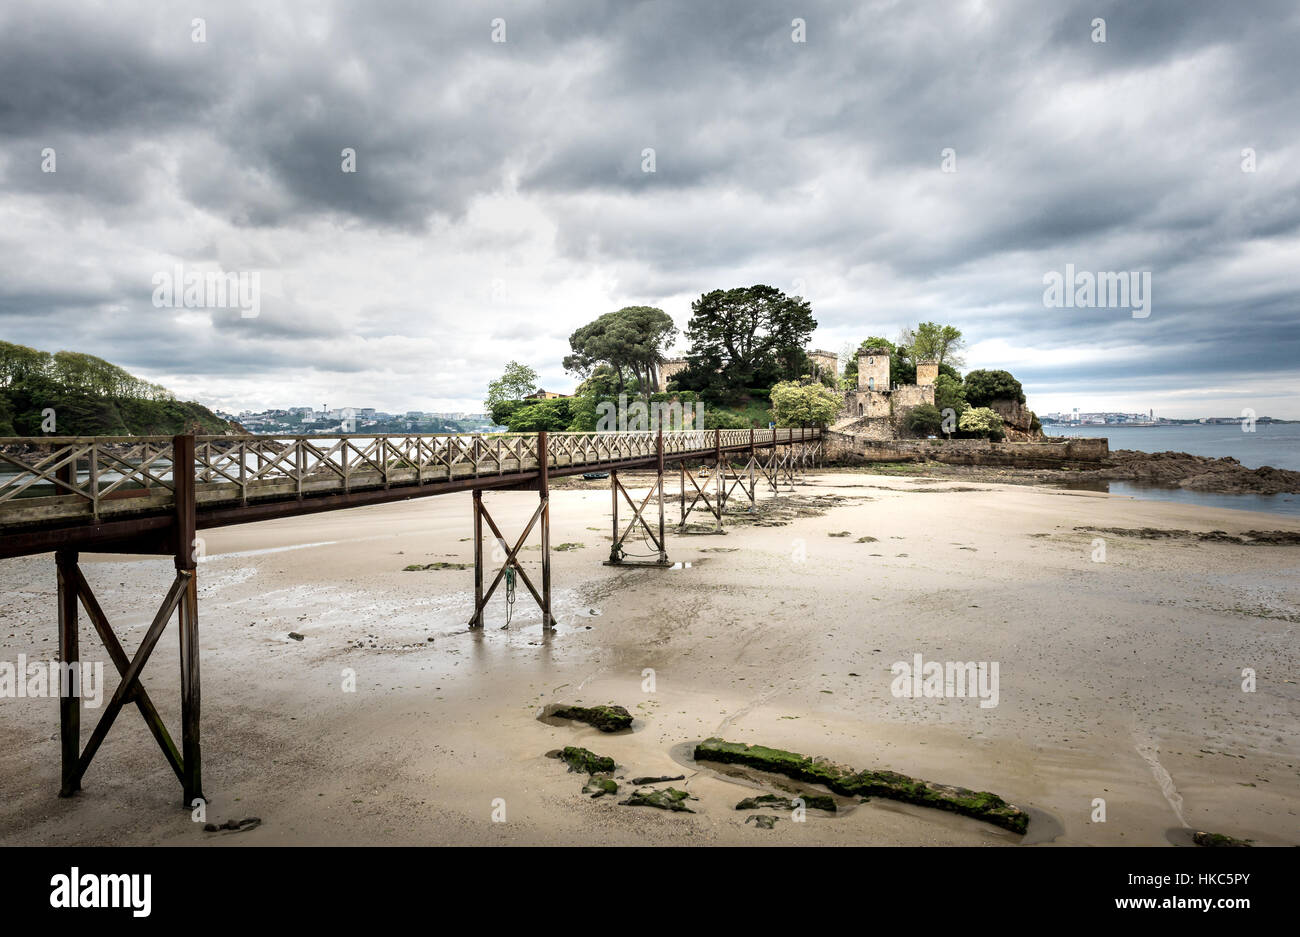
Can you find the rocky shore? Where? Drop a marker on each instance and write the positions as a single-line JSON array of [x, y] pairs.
[[1165, 469], [1198, 473]]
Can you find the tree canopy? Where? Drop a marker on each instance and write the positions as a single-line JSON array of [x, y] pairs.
[[981, 421], [86, 395], [983, 387], [747, 337], [516, 383], [931, 341], [631, 340], [795, 403]]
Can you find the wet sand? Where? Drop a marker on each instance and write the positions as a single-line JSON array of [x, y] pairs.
[[1119, 680]]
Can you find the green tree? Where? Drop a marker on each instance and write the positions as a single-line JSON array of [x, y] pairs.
[[603, 382], [724, 419], [950, 394], [983, 387], [799, 404], [631, 340], [748, 337], [924, 419], [934, 342], [537, 415], [516, 383], [981, 421]]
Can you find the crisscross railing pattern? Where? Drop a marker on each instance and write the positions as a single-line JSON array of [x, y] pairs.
[[44, 478]]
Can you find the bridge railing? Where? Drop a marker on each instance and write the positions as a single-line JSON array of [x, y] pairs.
[[55, 478]]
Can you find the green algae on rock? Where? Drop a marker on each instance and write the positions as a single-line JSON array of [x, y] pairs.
[[1218, 839], [658, 780], [599, 787], [605, 718], [778, 802], [668, 798], [581, 759], [846, 781]]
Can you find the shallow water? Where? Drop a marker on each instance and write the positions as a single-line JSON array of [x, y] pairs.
[[1272, 444], [1273, 504]]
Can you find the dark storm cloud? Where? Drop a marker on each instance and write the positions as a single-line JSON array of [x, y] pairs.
[[518, 166]]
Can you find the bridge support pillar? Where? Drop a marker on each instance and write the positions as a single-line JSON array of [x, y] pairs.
[[616, 552], [512, 568]]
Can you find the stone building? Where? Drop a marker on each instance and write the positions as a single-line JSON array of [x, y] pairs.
[[825, 362], [667, 369], [879, 400]]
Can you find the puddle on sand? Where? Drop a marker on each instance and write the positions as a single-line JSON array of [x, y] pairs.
[[1043, 827]]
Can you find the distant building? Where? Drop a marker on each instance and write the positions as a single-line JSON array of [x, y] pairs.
[[878, 398], [669, 368], [824, 362], [543, 394]]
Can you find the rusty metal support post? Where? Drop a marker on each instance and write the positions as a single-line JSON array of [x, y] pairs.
[[69, 655], [659, 467], [477, 620], [544, 493], [614, 547], [681, 467], [186, 559], [719, 472]]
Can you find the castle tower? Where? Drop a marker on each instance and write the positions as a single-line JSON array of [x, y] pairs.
[[825, 362], [667, 368], [873, 369], [927, 372]]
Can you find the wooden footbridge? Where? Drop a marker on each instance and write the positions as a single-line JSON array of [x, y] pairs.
[[154, 494]]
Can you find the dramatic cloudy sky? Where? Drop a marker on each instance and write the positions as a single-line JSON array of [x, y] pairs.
[[500, 201]]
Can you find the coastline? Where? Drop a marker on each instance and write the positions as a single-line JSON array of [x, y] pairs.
[[1112, 673]]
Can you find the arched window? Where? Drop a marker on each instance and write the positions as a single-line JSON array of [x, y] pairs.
[[859, 408], [871, 361], [871, 383]]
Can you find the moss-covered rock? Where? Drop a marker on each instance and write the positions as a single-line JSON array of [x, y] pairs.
[[658, 780], [851, 783], [581, 759], [667, 798], [1218, 839], [605, 718], [778, 802], [599, 787]]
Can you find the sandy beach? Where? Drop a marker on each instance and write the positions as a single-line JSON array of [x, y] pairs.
[[1120, 680]]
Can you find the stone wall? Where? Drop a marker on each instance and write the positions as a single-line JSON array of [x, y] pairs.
[[1052, 453], [872, 404], [907, 396]]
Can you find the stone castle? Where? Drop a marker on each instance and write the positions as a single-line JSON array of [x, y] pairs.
[[878, 406]]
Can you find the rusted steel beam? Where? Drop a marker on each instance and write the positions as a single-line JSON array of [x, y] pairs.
[[544, 494], [191, 757], [132, 675], [477, 620], [69, 654], [118, 656]]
